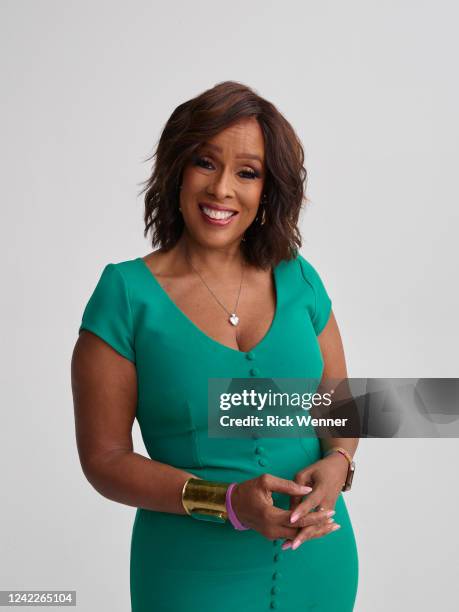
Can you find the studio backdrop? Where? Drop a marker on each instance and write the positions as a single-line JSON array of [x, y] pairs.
[[370, 90]]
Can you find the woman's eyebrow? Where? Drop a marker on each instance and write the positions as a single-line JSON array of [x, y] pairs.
[[240, 156]]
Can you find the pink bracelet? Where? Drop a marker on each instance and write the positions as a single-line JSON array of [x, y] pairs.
[[231, 515]]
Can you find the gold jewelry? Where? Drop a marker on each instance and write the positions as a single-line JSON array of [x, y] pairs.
[[341, 450], [233, 318], [264, 200], [205, 499], [351, 467]]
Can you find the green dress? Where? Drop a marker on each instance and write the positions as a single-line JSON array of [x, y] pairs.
[[181, 564]]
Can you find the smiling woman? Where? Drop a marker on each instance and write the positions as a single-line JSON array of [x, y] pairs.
[[227, 295], [232, 174], [229, 150]]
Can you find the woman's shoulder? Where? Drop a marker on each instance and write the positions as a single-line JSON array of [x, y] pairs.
[[108, 311], [118, 281], [129, 272], [301, 268], [125, 266], [308, 270], [311, 280]]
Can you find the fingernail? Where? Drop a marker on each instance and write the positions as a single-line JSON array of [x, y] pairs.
[[295, 544], [306, 489], [331, 513], [335, 527], [331, 520], [286, 545], [294, 517]]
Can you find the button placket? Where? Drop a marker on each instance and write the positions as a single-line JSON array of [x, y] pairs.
[[262, 461], [250, 356], [274, 601]]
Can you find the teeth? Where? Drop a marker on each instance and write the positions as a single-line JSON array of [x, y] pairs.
[[216, 214]]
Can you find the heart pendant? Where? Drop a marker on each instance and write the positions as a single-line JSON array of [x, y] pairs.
[[234, 319]]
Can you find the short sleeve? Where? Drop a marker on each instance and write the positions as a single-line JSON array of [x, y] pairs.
[[322, 302], [108, 312]]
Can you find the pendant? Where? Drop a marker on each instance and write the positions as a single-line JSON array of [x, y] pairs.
[[234, 319]]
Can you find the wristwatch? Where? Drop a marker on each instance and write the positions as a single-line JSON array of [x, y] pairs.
[[351, 467]]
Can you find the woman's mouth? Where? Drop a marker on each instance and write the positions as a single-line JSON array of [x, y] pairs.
[[216, 217]]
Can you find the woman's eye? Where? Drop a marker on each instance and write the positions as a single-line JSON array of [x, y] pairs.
[[249, 174], [201, 161], [205, 163]]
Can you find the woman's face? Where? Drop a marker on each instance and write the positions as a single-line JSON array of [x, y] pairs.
[[223, 184]]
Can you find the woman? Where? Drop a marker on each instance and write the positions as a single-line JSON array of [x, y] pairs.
[[225, 295]]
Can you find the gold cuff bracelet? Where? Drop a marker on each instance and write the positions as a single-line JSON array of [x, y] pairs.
[[205, 499]]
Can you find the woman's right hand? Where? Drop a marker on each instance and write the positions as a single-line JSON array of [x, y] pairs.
[[253, 505]]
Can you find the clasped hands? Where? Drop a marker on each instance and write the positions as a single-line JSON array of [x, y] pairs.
[[321, 483]]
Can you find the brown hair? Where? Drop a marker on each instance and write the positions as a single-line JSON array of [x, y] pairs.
[[202, 117]]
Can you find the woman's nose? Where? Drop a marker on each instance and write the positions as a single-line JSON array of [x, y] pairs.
[[220, 186]]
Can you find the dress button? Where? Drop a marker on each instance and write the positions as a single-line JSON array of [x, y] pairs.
[[276, 542], [256, 435], [275, 590], [254, 371], [262, 462], [273, 604], [250, 356], [277, 575], [259, 450], [277, 557]]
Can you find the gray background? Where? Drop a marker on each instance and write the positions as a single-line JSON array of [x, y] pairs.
[[370, 89]]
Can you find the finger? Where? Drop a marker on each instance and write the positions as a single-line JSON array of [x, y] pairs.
[[313, 518], [316, 531], [278, 516], [313, 499], [302, 478], [282, 485], [288, 534], [328, 503], [295, 501], [277, 524]]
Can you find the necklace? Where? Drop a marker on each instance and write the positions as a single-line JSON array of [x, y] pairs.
[[233, 318]]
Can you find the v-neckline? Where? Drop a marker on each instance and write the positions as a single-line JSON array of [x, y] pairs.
[[200, 332]]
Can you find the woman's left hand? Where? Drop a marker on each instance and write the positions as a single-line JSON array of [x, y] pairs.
[[326, 477]]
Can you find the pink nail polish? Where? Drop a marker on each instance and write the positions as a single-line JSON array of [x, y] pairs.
[[286, 545], [294, 517], [295, 544]]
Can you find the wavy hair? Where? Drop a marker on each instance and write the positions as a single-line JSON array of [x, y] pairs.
[[274, 234]]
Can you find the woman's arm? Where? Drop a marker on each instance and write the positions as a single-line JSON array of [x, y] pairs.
[[104, 386], [335, 367], [327, 475]]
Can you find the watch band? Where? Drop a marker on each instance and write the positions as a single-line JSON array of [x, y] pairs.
[[351, 465]]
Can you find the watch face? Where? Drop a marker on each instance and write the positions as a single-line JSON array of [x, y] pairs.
[[350, 476]]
